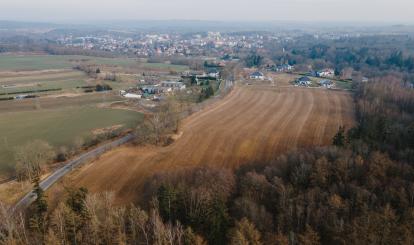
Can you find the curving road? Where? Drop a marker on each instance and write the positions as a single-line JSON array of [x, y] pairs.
[[30, 197]]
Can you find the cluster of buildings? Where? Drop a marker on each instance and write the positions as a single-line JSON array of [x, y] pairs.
[[306, 82], [198, 76], [103, 43], [280, 68], [326, 74], [150, 44], [164, 87], [152, 87]]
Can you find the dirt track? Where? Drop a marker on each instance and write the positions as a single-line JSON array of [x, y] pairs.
[[253, 123]]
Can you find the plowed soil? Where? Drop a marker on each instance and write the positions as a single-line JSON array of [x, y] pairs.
[[253, 123]]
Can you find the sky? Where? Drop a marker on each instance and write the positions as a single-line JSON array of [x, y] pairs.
[[393, 11]]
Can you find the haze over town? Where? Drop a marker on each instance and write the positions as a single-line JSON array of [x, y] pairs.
[[398, 11]]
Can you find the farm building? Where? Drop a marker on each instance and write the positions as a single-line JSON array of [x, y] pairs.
[[213, 73], [168, 86], [132, 96], [151, 89], [257, 76], [194, 74]]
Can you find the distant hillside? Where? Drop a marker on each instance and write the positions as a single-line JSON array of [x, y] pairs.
[[10, 25]]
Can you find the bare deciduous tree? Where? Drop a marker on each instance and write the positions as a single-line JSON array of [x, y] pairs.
[[32, 158], [157, 128], [12, 227]]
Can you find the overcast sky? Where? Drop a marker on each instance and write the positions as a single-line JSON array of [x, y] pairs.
[[400, 11]]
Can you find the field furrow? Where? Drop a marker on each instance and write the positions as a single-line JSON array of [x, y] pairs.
[[253, 123]]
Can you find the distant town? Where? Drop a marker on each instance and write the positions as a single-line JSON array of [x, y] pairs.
[[197, 44]]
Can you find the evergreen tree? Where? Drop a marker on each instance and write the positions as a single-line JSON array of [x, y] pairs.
[[217, 222], [37, 222], [76, 200], [339, 138], [167, 203]]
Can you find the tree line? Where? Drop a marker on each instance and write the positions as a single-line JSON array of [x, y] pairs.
[[371, 55]]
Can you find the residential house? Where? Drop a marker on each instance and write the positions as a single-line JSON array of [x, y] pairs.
[[326, 73], [282, 68], [304, 81], [326, 83], [257, 76]]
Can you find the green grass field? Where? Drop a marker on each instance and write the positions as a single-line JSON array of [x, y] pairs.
[[64, 85], [67, 80], [59, 127], [343, 84], [60, 120], [33, 62], [177, 68], [47, 62]]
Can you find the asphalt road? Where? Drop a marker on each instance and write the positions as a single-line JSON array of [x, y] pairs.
[[30, 197]]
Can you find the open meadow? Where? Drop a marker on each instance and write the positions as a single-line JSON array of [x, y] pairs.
[[61, 80], [16, 62], [54, 74], [255, 123], [58, 127], [65, 113]]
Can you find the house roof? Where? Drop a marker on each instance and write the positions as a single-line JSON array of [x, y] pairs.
[[212, 70], [172, 82], [304, 79], [284, 65], [257, 74], [325, 82], [327, 70]]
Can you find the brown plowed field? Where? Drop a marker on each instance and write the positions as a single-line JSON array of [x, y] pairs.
[[253, 123]]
